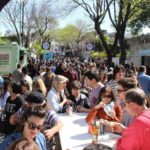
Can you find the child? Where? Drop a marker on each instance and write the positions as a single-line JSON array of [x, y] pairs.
[[79, 100]]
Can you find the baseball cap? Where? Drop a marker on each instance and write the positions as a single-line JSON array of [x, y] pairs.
[[1, 82], [35, 97]]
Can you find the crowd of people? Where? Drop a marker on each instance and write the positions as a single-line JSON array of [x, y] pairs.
[[33, 95]]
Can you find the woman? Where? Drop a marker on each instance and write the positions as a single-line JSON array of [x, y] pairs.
[[56, 97], [106, 109], [52, 124], [38, 85], [118, 74], [47, 78], [29, 128]]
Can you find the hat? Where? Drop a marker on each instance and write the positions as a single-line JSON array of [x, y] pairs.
[[35, 97], [60, 79], [1, 82]]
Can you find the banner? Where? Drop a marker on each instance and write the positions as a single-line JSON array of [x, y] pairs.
[[48, 56]]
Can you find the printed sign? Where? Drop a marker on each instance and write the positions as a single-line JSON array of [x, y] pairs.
[[89, 46], [4, 59], [48, 56], [46, 45]]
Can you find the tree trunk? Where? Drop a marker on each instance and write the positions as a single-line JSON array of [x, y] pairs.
[[123, 53], [109, 58], [102, 38]]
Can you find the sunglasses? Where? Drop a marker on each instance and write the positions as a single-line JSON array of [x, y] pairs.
[[33, 126], [106, 96], [121, 90]]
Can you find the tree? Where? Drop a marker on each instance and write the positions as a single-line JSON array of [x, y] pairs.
[[37, 17], [2, 40], [66, 36], [96, 10], [44, 18], [141, 19], [123, 11], [71, 35], [120, 12]]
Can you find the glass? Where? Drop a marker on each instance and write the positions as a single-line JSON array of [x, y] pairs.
[[33, 126], [94, 131]]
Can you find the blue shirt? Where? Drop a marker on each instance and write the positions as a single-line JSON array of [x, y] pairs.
[[39, 139], [144, 81]]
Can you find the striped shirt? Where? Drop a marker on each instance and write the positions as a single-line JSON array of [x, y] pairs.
[[113, 85]]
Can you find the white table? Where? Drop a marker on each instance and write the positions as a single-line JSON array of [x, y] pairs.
[[74, 134]]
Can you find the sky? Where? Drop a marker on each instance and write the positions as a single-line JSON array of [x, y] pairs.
[[79, 14]]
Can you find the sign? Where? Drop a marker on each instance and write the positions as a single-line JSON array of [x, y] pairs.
[[89, 46], [9, 58], [48, 56], [4, 59], [46, 45]]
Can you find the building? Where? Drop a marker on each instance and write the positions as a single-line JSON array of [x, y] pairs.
[[140, 50]]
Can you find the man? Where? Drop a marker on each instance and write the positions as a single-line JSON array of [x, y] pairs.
[[17, 73], [144, 80], [92, 81], [137, 135], [124, 85], [78, 99]]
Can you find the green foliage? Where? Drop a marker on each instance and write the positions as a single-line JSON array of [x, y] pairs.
[[67, 35], [72, 36], [37, 46], [99, 55], [141, 19], [3, 41]]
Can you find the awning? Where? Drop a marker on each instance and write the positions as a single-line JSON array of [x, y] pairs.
[[145, 52]]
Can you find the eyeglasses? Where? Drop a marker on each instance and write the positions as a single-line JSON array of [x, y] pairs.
[[121, 90], [106, 96], [33, 126]]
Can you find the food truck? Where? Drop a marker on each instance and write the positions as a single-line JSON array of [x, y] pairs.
[[10, 56]]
